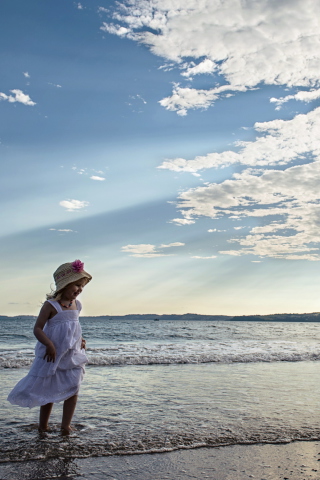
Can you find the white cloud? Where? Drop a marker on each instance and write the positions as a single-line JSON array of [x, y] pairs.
[[64, 230], [103, 9], [207, 66], [143, 251], [204, 258], [184, 99], [115, 29], [95, 177], [302, 96], [72, 205], [280, 142], [55, 85], [285, 205], [18, 96], [26, 74], [92, 172], [141, 248], [175, 244], [142, 99], [247, 43], [182, 221], [79, 6], [146, 250]]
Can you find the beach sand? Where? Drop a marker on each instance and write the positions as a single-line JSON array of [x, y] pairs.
[[294, 461]]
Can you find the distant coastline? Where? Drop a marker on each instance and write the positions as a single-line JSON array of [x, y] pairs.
[[277, 317]]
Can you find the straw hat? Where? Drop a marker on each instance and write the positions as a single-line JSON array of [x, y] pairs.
[[69, 273]]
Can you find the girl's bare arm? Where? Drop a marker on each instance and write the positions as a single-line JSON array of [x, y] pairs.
[[44, 315]]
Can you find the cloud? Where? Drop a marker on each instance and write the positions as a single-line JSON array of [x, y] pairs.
[[247, 44], [103, 9], [184, 99], [72, 205], [243, 45], [18, 96], [146, 250], [280, 142], [182, 221], [95, 177], [86, 171], [284, 204], [55, 85], [204, 258], [79, 6], [141, 98], [26, 74], [175, 244], [143, 251], [115, 29], [302, 96], [64, 230], [207, 66]]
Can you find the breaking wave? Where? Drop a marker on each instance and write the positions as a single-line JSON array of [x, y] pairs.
[[182, 353]]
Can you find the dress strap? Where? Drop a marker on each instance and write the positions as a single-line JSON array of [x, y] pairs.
[[56, 305], [79, 306]]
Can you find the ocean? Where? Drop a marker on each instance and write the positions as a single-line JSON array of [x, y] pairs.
[[158, 386]]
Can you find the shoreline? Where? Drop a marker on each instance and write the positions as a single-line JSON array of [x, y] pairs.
[[294, 461]]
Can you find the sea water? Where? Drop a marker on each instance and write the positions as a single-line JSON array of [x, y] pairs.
[[156, 386]]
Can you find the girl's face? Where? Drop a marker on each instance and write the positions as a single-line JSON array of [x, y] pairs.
[[74, 289]]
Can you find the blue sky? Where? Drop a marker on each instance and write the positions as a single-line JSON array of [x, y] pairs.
[[170, 145]]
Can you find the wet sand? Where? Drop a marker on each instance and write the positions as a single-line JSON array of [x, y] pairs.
[[294, 461]]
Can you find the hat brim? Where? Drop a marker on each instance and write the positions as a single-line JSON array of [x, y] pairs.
[[64, 282]]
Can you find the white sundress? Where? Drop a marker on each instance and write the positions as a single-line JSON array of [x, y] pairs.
[[51, 382]]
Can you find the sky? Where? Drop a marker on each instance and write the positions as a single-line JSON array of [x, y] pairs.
[[171, 145]]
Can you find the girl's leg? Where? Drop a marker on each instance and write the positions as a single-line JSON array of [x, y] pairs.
[[45, 411], [69, 407]]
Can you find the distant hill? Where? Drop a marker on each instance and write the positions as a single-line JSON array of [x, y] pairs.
[[280, 317], [186, 316], [154, 316], [277, 317]]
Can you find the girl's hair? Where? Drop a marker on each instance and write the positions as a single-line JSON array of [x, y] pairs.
[[56, 295]]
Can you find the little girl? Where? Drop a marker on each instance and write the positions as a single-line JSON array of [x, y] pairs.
[[57, 370]]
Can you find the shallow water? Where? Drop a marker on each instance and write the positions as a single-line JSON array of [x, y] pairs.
[[161, 394]]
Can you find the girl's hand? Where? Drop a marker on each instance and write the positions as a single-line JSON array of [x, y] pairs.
[[50, 353], [83, 343]]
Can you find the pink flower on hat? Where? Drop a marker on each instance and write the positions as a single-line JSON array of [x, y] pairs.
[[77, 266]]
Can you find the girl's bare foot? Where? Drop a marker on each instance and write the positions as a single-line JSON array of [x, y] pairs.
[[43, 429], [66, 430]]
